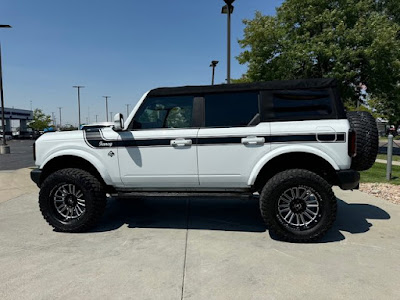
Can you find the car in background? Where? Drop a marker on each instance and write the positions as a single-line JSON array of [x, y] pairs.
[[8, 136], [392, 130]]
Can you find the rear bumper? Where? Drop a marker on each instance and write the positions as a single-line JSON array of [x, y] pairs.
[[35, 176], [348, 179]]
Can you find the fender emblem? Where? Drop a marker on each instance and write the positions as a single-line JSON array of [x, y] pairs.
[[102, 144], [110, 154]]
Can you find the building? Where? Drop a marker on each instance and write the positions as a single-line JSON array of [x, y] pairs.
[[15, 114]]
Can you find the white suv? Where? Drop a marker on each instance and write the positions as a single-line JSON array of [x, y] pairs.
[[290, 141]]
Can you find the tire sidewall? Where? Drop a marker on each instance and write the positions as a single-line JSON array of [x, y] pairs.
[[326, 207], [47, 206]]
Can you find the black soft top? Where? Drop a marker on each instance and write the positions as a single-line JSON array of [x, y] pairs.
[[318, 83]]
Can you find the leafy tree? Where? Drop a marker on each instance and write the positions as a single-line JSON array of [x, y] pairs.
[[40, 120], [354, 41]]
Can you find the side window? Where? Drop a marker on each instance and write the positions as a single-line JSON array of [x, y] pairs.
[[164, 112], [231, 109], [297, 105]]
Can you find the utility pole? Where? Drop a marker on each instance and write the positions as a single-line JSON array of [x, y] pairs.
[[79, 103], [96, 118], [4, 148], [111, 119], [127, 110], [59, 109], [106, 106]]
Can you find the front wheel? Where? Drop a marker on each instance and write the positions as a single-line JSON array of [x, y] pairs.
[[298, 205], [72, 200]]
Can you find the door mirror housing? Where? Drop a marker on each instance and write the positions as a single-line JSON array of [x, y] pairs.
[[118, 122]]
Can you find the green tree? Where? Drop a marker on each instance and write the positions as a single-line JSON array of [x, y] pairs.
[[40, 120], [354, 41]]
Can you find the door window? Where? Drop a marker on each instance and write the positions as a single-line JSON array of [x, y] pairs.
[[164, 112], [231, 109]]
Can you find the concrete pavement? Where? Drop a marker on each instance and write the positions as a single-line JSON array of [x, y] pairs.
[[190, 248], [383, 161]]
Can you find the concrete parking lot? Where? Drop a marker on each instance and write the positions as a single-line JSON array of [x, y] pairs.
[[191, 248]]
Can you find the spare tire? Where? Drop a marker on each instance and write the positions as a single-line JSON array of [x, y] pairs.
[[367, 140]]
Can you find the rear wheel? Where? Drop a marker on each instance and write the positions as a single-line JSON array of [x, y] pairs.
[[72, 200], [298, 205]]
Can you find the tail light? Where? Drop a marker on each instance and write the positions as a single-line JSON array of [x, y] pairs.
[[352, 143]]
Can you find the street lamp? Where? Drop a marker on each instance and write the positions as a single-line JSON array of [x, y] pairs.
[[4, 148], [59, 108], [79, 103], [107, 106], [213, 65], [228, 10]]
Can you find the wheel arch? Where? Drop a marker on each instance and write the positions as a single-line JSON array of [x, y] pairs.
[[272, 164], [65, 160]]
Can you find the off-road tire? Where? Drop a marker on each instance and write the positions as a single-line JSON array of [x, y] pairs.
[[93, 194], [301, 179], [367, 139]]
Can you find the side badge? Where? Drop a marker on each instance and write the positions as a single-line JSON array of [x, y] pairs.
[[111, 154]]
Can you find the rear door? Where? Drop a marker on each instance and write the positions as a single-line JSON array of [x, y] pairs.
[[231, 140]]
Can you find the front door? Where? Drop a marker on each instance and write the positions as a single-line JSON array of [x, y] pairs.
[[159, 149]]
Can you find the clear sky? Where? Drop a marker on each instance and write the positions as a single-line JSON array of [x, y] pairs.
[[120, 48]]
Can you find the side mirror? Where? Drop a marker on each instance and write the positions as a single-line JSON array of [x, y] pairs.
[[118, 122]]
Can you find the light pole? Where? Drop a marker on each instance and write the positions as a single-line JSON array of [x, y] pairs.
[[59, 109], [107, 106], [96, 118], [4, 148], [228, 9], [127, 110], [79, 103], [111, 116], [213, 65]]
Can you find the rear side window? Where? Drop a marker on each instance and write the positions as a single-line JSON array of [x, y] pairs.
[[231, 109], [297, 105], [164, 112]]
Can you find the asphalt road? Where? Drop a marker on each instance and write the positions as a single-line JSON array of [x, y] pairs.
[[21, 155]]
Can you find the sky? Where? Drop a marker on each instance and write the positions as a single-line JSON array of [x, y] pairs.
[[119, 48]]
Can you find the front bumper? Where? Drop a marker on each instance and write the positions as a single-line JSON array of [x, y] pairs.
[[348, 179], [35, 176]]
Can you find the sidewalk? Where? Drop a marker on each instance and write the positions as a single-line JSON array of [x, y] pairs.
[[382, 161]]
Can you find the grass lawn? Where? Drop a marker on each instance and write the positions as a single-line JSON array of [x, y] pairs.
[[394, 157], [378, 174], [385, 139]]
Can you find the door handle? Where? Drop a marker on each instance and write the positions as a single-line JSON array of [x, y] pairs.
[[181, 142], [253, 140]]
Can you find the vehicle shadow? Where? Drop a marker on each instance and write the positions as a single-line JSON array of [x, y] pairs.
[[222, 213]]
